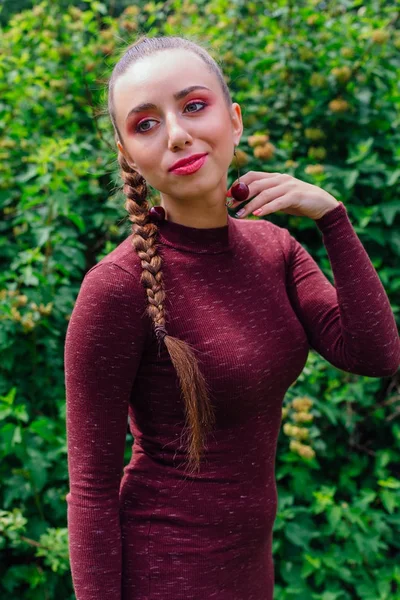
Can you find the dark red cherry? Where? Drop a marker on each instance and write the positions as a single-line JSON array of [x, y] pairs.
[[157, 214], [240, 191]]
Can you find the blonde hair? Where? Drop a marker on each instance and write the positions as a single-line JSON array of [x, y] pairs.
[[200, 416]]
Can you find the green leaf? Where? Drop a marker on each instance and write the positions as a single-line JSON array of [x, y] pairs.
[[300, 535], [29, 174], [42, 235], [394, 241], [361, 151], [350, 178], [390, 482], [9, 397], [78, 220], [393, 177], [389, 210], [377, 234], [313, 560]]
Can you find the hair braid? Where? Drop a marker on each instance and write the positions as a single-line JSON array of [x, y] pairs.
[[199, 412]]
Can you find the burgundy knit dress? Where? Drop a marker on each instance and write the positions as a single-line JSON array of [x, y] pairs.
[[252, 301]]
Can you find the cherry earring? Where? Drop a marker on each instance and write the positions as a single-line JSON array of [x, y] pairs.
[[157, 214], [239, 191]]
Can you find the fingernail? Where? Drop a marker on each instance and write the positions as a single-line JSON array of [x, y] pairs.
[[240, 212], [228, 193]]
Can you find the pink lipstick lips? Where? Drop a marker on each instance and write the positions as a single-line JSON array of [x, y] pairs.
[[191, 167]]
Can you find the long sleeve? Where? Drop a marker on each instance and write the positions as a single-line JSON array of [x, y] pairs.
[[351, 324], [103, 346]]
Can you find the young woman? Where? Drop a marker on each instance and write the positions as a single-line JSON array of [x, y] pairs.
[[194, 327]]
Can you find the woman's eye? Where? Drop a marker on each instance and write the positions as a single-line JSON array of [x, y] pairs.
[[138, 127], [195, 102]]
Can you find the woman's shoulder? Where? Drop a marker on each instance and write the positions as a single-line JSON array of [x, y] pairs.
[[116, 280], [109, 318], [122, 258]]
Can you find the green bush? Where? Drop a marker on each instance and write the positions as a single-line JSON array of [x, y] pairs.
[[318, 88]]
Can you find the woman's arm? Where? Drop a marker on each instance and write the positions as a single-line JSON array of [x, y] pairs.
[[103, 346], [350, 324]]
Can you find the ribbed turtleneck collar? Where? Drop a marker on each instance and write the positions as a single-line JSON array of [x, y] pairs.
[[212, 240]]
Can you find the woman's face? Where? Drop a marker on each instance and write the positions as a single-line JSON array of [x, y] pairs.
[[200, 122]]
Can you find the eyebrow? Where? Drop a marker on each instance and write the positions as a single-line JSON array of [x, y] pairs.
[[177, 96]]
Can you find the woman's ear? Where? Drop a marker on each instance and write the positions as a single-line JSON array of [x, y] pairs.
[[237, 121], [120, 148]]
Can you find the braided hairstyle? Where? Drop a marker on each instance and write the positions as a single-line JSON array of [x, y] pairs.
[[200, 416]]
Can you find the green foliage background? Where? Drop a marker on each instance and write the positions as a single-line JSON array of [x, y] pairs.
[[318, 84]]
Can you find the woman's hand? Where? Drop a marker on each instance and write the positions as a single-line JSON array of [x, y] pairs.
[[279, 191]]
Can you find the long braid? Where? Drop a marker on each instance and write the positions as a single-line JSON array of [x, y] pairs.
[[200, 416]]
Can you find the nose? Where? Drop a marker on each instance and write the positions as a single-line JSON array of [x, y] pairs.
[[178, 135]]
